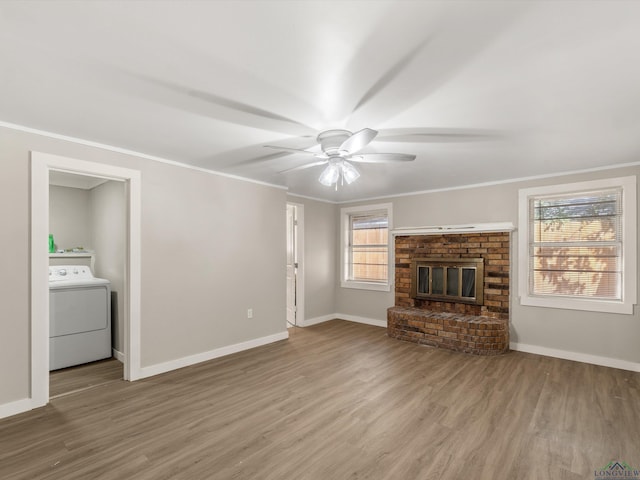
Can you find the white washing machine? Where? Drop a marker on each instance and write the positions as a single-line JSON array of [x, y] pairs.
[[79, 316]]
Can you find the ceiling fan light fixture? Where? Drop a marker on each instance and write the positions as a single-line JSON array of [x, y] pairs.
[[330, 175], [349, 172], [338, 146]]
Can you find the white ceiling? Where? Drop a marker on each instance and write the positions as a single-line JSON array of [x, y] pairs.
[[479, 91]]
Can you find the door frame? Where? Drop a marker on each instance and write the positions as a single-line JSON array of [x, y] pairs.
[[299, 247], [41, 165]]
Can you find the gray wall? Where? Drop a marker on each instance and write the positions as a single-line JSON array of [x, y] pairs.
[[211, 247], [607, 335], [14, 264], [320, 227], [109, 233], [70, 217]]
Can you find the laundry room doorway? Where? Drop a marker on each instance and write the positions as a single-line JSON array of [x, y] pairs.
[[87, 235], [102, 235]]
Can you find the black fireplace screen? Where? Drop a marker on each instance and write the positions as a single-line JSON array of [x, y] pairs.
[[449, 279]]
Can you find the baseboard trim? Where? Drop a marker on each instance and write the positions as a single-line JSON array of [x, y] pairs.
[[343, 316], [314, 321], [577, 357], [365, 320], [210, 355], [16, 407], [118, 355]]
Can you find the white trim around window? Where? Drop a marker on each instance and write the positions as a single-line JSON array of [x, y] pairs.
[[345, 215], [628, 297]]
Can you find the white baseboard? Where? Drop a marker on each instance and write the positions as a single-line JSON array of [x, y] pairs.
[[313, 321], [210, 355], [344, 316], [575, 356], [118, 355], [521, 347], [13, 408], [366, 321]]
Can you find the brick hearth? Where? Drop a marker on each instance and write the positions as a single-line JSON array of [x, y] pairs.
[[454, 331], [479, 329]]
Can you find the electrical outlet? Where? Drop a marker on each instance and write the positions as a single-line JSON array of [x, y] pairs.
[[250, 313]]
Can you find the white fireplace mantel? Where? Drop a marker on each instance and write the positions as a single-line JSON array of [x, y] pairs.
[[465, 228]]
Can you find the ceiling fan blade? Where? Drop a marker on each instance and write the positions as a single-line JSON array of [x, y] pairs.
[[391, 74], [457, 37], [439, 135], [358, 141], [382, 158], [303, 167], [289, 149], [216, 106]]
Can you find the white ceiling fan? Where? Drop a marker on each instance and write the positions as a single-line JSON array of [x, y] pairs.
[[339, 149]]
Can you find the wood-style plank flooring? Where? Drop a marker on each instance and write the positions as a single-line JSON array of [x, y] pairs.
[[337, 400], [83, 377]]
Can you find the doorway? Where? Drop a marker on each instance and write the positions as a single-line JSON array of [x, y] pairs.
[[295, 265], [87, 227], [41, 166]]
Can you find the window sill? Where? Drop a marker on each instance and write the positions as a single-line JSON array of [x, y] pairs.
[[380, 287], [603, 306]]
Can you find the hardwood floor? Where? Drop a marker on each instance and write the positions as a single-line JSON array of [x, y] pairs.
[[337, 400], [83, 377]]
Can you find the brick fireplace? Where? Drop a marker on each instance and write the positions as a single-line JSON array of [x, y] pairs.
[[481, 329]]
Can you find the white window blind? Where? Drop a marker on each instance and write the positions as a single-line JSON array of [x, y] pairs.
[[369, 247], [575, 244]]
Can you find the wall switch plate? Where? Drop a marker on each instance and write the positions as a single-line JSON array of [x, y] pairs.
[[250, 313]]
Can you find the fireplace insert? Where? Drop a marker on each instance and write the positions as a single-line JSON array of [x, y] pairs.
[[448, 279]]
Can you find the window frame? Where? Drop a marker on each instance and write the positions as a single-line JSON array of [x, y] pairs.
[[345, 234], [628, 255]]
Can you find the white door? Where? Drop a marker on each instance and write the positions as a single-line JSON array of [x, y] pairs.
[[291, 265]]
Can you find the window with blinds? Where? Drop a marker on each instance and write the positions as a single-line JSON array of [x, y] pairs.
[[575, 244], [369, 247]]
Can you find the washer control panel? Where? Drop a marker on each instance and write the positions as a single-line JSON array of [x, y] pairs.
[[60, 273]]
